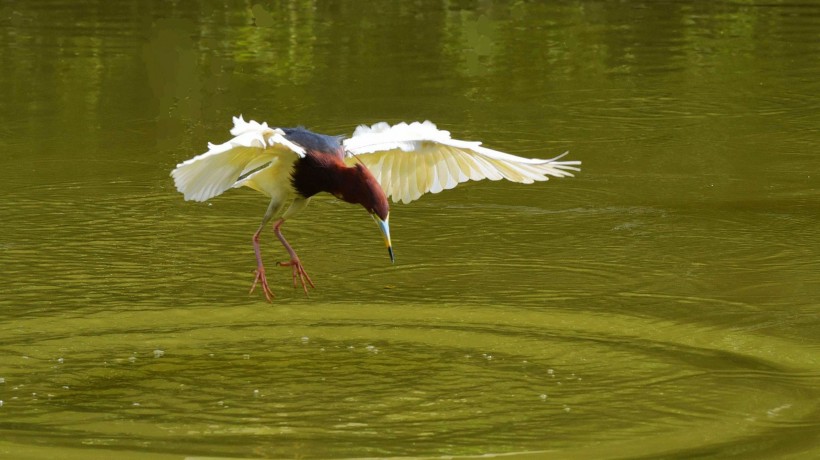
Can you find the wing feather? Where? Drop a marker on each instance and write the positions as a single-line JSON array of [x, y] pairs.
[[400, 175], [386, 171], [457, 173], [253, 147], [436, 166], [450, 169], [448, 180], [472, 165], [378, 170], [422, 170], [409, 160]]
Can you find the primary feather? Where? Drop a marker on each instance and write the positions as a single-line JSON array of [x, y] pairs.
[[409, 160]]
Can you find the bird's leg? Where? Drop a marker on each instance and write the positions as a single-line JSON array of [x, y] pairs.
[[299, 273], [260, 269]]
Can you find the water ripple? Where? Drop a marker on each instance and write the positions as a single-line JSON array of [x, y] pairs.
[[365, 373]]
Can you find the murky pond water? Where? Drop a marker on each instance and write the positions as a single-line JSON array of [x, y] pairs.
[[663, 303]]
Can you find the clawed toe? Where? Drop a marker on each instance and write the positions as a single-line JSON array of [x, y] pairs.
[[263, 282], [299, 274]]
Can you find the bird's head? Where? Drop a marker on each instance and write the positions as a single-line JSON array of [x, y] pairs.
[[372, 198]]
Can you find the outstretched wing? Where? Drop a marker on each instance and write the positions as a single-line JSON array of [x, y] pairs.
[[253, 147], [411, 160]]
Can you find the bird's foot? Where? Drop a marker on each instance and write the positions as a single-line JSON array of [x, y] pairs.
[[263, 282], [299, 274]]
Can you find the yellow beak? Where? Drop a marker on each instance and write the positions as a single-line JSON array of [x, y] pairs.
[[384, 226]]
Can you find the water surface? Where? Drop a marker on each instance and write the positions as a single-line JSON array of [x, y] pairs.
[[663, 303]]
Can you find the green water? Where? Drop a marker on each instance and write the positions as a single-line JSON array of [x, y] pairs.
[[662, 304]]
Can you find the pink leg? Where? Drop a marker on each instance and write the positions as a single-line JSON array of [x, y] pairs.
[[260, 269], [299, 273]]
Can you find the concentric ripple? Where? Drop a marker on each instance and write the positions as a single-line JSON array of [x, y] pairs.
[[375, 380]]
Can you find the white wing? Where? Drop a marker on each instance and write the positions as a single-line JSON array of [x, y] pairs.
[[215, 171], [411, 160]]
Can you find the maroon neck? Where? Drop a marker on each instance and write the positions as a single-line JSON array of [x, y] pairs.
[[320, 172]]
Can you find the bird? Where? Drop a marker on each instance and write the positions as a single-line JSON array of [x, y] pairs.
[[401, 161]]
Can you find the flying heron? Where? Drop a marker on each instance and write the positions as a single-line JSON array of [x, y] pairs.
[[290, 165]]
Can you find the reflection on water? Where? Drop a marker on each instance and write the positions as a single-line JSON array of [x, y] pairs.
[[662, 303]]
